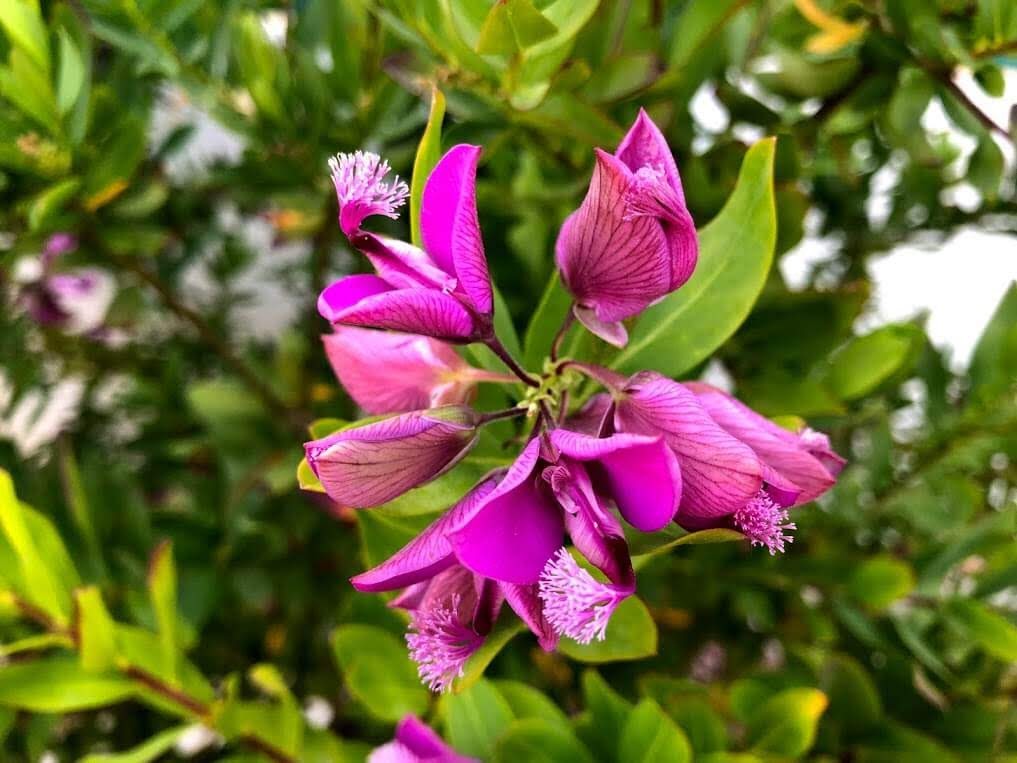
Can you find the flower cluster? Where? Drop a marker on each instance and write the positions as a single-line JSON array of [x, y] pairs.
[[646, 451]]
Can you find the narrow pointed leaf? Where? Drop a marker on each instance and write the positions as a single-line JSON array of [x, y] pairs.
[[428, 154]]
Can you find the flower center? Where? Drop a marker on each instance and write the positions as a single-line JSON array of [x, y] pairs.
[[765, 523], [575, 603], [650, 195], [359, 180], [441, 644]]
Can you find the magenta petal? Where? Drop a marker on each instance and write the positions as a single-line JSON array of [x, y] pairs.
[[371, 464], [781, 449], [514, 530], [645, 146], [427, 554], [419, 744], [641, 474], [392, 373], [403, 265], [449, 224], [347, 292], [614, 333], [613, 266], [526, 603], [720, 474], [413, 311]]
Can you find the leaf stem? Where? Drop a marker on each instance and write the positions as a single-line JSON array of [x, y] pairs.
[[506, 357], [566, 324]]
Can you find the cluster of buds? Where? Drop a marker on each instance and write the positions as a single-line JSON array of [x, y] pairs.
[[645, 451]]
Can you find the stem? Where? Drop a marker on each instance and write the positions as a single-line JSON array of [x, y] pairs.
[[943, 77], [562, 331], [508, 413], [605, 376], [499, 349]]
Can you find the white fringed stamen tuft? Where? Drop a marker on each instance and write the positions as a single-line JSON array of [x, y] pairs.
[[575, 604], [359, 178], [765, 523], [440, 644]]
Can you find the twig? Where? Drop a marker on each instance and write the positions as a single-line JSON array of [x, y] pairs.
[[506, 357], [943, 77], [566, 324]]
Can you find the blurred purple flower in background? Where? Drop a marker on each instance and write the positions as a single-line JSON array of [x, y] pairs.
[[416, 742]]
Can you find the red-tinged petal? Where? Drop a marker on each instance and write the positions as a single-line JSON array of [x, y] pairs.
[[369, 465], [640, 473], [514, 530], [613, 266], [449, 224], [785, 451], [412, 311], [720, 474], [392, 373], [427, 554]]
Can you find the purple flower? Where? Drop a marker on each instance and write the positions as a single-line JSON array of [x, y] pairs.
[[737, 468], [632, 240], [415, 742], [392, 373], [452, 609], [514, 534], [443, 291], [371, 464]]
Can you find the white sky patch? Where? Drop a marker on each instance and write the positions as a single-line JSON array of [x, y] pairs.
[[209, 142], [707, 110], [959, 284]]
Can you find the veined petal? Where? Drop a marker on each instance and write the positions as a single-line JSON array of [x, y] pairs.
[[512, 533], [645, 146], [450, 227], [413, 311], [347, 292], [641, 473], [612, 332], [719, 473], [613, 266], [780, 448], [368, 465], [525, 602], [392, 373], [427, 554], [402, 265]]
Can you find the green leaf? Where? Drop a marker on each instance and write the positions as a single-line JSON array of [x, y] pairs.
[[96, 632], [994, 633], [39, 580], [538, 740], [307, 479], [631, 635], [320, 428], [606, 712], [880, 581], [27, 86], [145, 752], [290, 731], [71, 75], [545, 322], [162, 588], [527, 702], [59, 684], [504, 631], [696, 27], [704, 728], [428, 154], [496, 36], [50, 202], [994, 363], [650, 736], [735, 252], [985, 168], [26, 29], [864, 363], [854, 699], [475, 718], [378, 672], [529, 26], [787, 723]]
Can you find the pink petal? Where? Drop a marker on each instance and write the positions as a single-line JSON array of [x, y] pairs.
[[427, 554], [413, 311], [449, 224], [526, 603], [613, 266], [403, 265], [347, 292], [391, 373], [369, 465], [720, 474], [514, 530], [424, 744], [640, 473], [779, 448]]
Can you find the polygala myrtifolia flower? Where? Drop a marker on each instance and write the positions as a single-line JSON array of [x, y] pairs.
[[646, 452], [416, 742]]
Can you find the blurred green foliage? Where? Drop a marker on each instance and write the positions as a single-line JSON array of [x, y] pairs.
[[163, 569]]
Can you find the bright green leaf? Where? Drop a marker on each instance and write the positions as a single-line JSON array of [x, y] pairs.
[[475, 718], [96, 634], [378, 672], [428, 154], [994, 633], [864, 363], [649, 736], [148, 751], [880, 581], [59, 684], [537, 740], [787, 723], [71, 75], [26, 29], [162, 588], [631, 635]]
